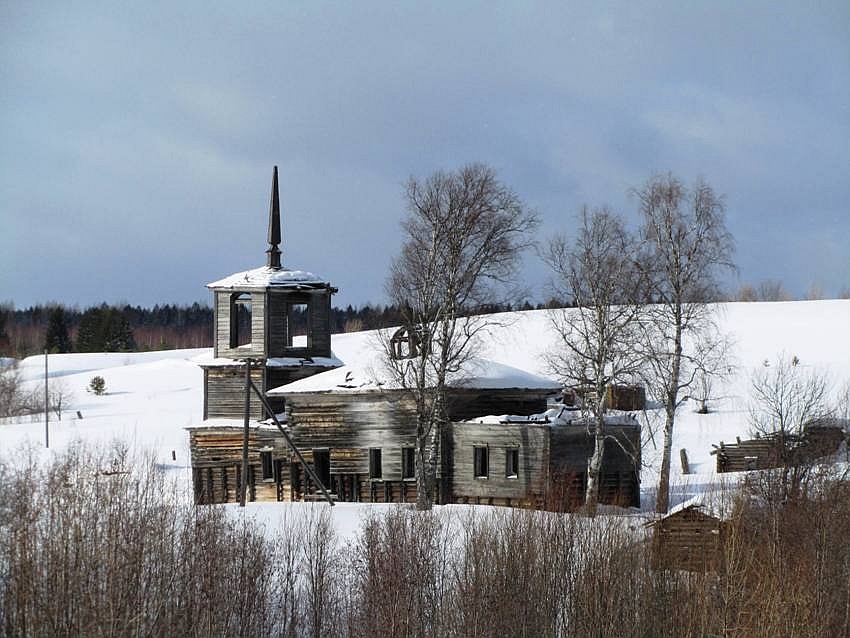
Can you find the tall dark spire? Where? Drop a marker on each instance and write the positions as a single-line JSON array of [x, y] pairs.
[[273, 253]]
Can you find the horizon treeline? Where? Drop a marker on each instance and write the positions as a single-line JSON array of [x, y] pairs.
[[126, 328]]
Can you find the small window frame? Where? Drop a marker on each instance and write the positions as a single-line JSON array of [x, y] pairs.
[[481, 462], [267, 465], [375, 468], [293, 307], [512, 462], [240, 301], [408, 463]]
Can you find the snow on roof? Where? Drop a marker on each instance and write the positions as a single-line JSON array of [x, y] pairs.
[[237, 424], [373, 377], [207, 360], [265, 277], [558, 416], [716, 502]]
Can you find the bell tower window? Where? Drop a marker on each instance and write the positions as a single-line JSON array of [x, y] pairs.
[[298, 320], [240, 320]]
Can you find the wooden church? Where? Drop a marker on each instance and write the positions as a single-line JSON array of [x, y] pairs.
[[348, 432]]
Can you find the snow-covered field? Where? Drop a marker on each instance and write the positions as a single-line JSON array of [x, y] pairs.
[[151, 397]]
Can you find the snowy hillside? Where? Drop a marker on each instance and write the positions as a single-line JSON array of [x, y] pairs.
[[151, 397]]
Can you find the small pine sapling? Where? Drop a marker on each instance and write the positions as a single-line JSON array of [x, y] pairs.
[[97, 385]]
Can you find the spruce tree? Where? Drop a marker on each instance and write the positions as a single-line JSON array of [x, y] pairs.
[[4, 338], [117, 334], [90, 332], [57, 340]]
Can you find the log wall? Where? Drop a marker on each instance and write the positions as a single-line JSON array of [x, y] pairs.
[[688, 540], [217, 465], [775, 450]]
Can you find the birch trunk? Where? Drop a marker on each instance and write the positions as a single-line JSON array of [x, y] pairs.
[[662, 503]]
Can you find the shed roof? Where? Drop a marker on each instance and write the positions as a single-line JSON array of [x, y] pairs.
[[717, 504]]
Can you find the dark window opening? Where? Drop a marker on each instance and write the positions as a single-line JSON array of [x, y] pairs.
[[322, 466], [267, 464], [512, 462], [375, 463], [298, 322], [408, 463], [240, 320], [481, 462]]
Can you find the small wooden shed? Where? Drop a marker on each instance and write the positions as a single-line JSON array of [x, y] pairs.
[[691, 536]]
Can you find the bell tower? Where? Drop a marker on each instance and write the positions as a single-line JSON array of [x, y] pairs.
[[277, 316]]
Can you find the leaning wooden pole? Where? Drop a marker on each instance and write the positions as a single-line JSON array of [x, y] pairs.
[[292, 446], [243, 486]]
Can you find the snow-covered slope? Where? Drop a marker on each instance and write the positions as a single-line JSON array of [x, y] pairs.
[[152, 396]]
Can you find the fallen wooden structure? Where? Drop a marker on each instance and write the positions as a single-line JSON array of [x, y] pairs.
[[820, 438]]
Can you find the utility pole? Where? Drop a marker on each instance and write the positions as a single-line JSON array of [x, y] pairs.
[[243, 488], [46, 407]]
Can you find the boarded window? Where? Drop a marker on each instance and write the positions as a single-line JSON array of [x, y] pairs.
[[268, 465], [481, 462], [408, 463], [240, 320], [512, 462], [375, 463]]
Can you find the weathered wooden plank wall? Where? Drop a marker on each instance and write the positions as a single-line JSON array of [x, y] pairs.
[[224, 391], [320, 323], [467, 403], [222, 329], [350, 424], [528, 487], [571, 446]]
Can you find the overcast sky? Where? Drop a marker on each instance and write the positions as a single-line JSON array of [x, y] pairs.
[[136, 143]]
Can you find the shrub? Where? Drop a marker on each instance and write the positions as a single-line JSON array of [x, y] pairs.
[[97, 385]]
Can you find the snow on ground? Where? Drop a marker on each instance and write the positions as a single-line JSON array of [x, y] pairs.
[[151, 397]]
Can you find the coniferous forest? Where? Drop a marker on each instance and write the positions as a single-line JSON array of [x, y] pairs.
[[126, 328]]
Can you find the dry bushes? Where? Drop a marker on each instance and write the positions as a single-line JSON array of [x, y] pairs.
[[94, 544]]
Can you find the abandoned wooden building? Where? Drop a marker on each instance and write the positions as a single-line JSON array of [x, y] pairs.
[[820, 438], [357, 431], [691, 536]]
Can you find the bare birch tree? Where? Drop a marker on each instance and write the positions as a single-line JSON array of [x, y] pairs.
[[786, 397], [685, 244], [599, 339], [463, 236]]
